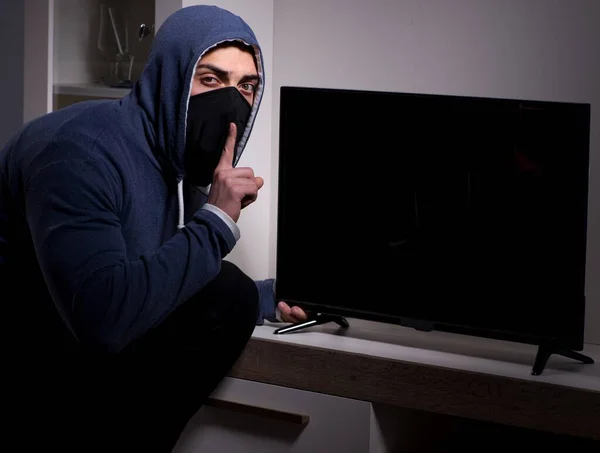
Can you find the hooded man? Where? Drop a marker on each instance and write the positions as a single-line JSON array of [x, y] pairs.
[[115, 218]]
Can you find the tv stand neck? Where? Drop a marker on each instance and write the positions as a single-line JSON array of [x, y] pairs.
[[545, 351], [314, 320]]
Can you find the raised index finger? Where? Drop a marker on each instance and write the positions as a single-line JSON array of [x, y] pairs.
[[226, 160]]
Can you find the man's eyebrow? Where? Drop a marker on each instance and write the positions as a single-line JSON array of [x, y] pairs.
[[223, 74], [250, 78], [218, 71]]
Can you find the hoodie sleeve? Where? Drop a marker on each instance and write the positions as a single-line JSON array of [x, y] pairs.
[[72, 208], [267, 302]]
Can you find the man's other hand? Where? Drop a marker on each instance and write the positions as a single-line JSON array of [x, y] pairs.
[[291, 314]]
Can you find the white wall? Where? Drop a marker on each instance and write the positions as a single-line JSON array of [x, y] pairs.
[[511, 48], [252, 251]]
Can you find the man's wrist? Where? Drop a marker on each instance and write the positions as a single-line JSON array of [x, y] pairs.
[[235, 230]]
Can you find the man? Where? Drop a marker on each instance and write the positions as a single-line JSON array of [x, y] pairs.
[[115, 218]]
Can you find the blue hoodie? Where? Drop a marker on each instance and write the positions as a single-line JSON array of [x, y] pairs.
[[91, 197]]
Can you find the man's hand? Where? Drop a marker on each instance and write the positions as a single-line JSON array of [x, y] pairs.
[[291, 314], [233, 188]]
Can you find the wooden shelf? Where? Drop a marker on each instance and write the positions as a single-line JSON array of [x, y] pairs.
[[395, 366], [90, 90]]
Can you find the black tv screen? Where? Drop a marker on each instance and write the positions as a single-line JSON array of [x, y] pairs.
[[460, 213]]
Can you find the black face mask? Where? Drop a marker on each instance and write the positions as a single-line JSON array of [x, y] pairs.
[[208, 119]]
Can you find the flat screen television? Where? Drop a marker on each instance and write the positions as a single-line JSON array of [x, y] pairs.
[[438, 212]]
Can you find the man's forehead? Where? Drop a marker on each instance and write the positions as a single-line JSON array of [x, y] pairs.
[[230, 52]]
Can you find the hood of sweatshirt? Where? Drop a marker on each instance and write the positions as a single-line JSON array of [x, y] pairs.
[[160, 98]]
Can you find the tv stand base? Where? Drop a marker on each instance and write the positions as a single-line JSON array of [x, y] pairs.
[[545, 351], [314, 320]]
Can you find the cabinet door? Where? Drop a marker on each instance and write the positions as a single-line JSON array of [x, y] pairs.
[[250, 416], [77, 50], [38, 27]]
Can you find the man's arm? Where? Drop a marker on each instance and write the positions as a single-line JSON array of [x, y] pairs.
[[109, 300]]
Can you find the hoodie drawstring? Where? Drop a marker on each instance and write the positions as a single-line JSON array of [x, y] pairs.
[[180, 223]]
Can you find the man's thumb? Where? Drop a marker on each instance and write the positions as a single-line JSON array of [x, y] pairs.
[[259, 182]]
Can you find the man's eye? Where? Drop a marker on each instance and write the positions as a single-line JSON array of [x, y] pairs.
[[248, 87], [209, 80]]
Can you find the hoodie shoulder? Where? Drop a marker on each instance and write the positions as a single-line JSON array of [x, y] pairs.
[[82, 131]]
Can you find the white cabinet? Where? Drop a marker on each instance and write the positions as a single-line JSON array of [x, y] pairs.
[[247, 416], [86, 49]]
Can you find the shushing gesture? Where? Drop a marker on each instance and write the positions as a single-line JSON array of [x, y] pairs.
[[233, 188]]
